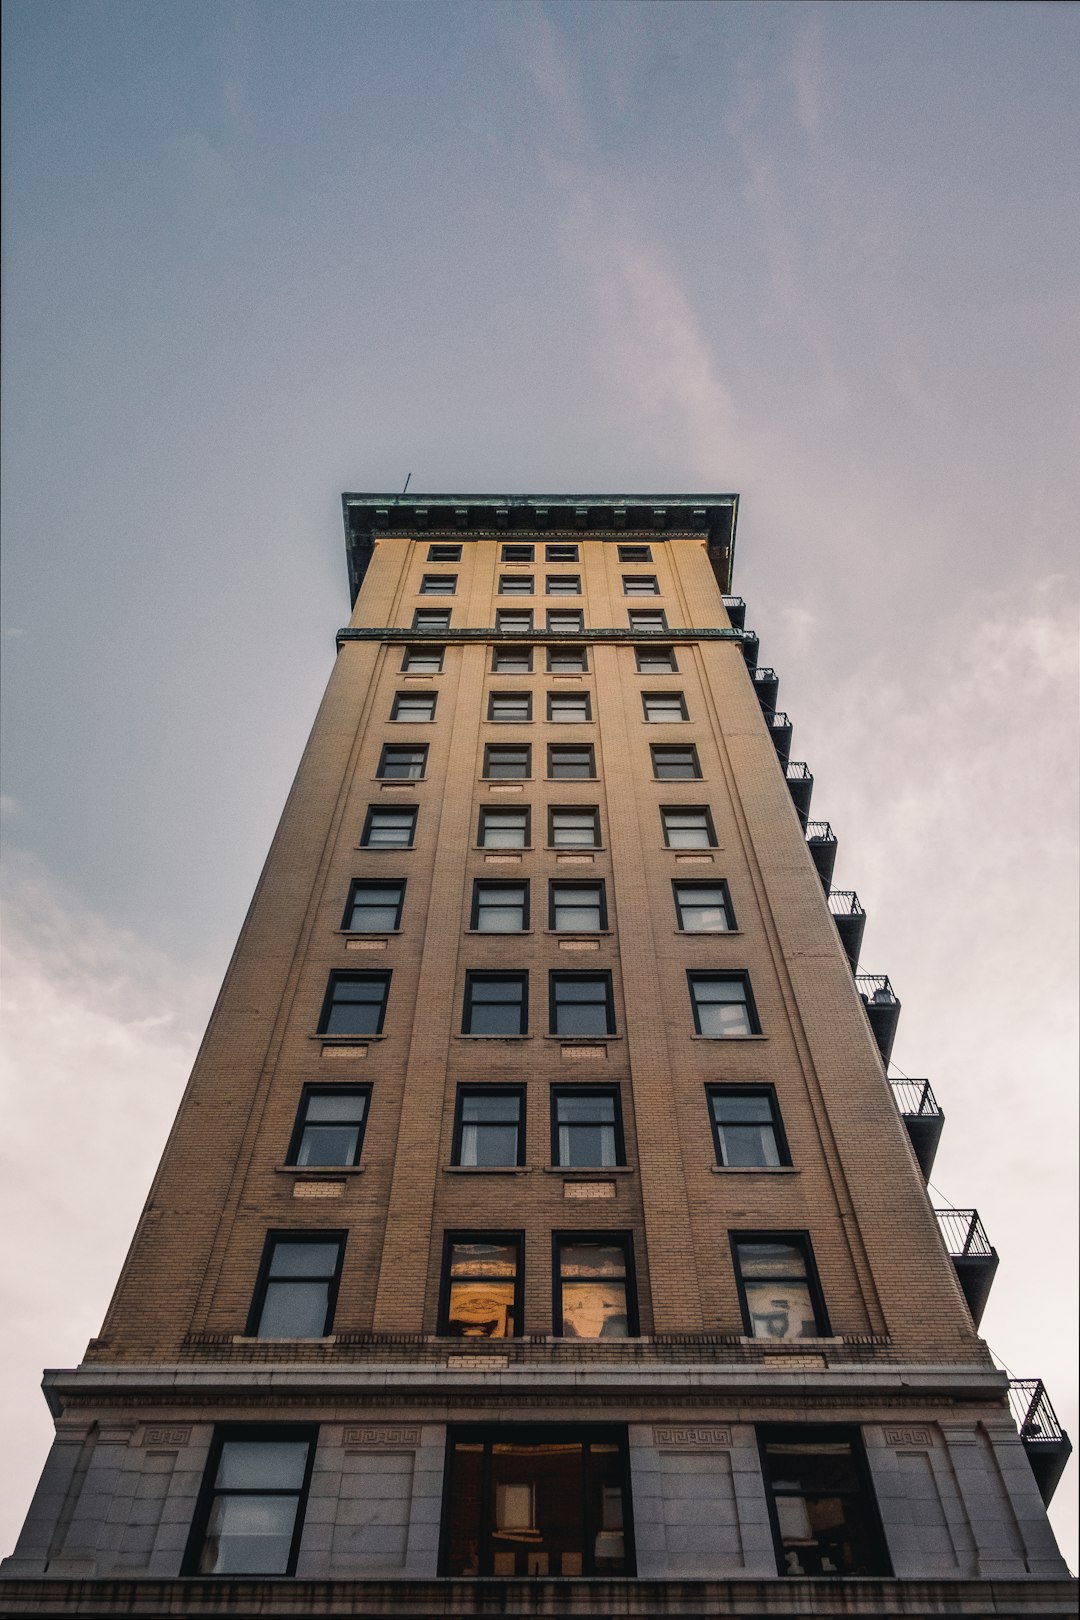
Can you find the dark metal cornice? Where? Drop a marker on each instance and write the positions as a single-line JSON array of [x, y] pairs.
[[530, 638]]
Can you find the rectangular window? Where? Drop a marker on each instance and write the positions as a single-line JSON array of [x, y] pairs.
[[574, 826], [413, 706], [778, 1286], [567, 660], [723, 1005], [373, 908], [250, 1511], [398, 763], [496, 1004], [503, 829], [656, 661], [646, 619], [513, 621], [594, 1294], [489, 1126], [687, 826], [703, 908], [516, 585], [821, 1502], [511, 553], [444, 554], [635, 554], [560, 553], [297, 1286], [329, 1126], [672, 764], [581, 1004], [747, 1129], [640, 585], [663, 706], [569, 706], [564, 619], [500, 908], [423, 660], [431, 619], [571, 763], [563, 585], [586, 1127], [438, 585], [355, 1004], [579, 908], [509, 708], [389, 828], [538, 1500], [512, 660], [481, 1292], [503, 761]]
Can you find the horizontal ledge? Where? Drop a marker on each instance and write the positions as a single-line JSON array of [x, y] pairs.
[[487, 1169], [729, 1037], [755, 1170], [400, 634], [318, 1172], [579, 1172]]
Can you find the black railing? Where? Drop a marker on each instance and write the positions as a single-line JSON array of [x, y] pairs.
[[850, 919], [780, 729], [922, 1117], [882, 1009], [800, 781], [1046, 1444], [821, 841], [766, 685], [750, 647], [735, 608], [972, 1254], [845, 903]]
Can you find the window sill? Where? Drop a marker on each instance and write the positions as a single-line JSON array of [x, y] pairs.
[[575, 849], [368, 933], [386, 849], [755, 1170], [582, 1040], [792, 1347], [579, 933], [318, 1172], [487, 1169], [499, 933], [706, 933], [251, 1338], [729, 1037], [506, 781], [678, 779], [346, 1040], [398, 781], [569, 779], [504, 849], [581, 1172], [493, 1037]]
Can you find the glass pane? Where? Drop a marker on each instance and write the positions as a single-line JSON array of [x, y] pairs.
[[479, 1105], [373, 919], [812, 1465], [328, 1144], [249, 1535], [588, 1107], [594, 1310], [316, 1259], [721, 1017], [294, 1310], [592, 1260], [481, 1310], [580, 1018], [826, 1535], [483, 1259], [780, 1310], [585, 918], [731, 1108], [465, 1509], [263, 1464], [537, 1502], [606, 1494], [749, 1144], [568, 829], [495, 1019], [497, 990], [587, 1145], [354, 1017], [772, 1259], [504, 832], [336, 1106], [489, 1144]]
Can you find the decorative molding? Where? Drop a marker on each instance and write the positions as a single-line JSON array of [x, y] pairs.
[[369, 1438], [908, 1437], [159, 1436], [403, 634], [701, 1437]]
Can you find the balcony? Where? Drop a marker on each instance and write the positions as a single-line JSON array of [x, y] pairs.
[[766, 685], [780, 731], [882, 1009], [1047, 1445], [750, 647], [800, 781], [924, 1120], [821, 842], [735, 608], [850, 919], [973, 1255]]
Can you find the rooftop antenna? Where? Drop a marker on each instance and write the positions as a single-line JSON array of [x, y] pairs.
[[407, 482]]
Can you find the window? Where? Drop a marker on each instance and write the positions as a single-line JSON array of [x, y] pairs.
[[687, 827], [389, 828], [563, 585], [656, 660], [423, 660], [496, 1004], [250, 1510], [539, 1500], [640, 585], [564, 619], [355, 1004], [821, 1502], [507, 708], [778, 1286], [569, 706], [330, 1126], [444, 554], [413, 706], [503, 829], [373, 908], [634, 554], [481, 1292], [577, 907], [517, 553], [661, 706], [516, 585], [297, 1286], [403, 764], [438, 585], [723, 1005], [513, 621], [646, 619], [586, 1127], [593, 1286], [500, 908], [431, 619], [567, 660], [512, 660], [703, 908], [675, 764], [506, 760], [574, 826], [581, 1004], [489, 1126], [746, 1126], [571, 763]]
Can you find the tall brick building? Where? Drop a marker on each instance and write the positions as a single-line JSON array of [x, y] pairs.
[[540, 1213]]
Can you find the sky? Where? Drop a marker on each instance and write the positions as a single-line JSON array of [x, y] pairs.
[[257, 253]]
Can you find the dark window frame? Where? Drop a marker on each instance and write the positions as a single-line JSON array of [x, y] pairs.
[[653, 614], [661, 753], [475, 975], [488, 775], [414, 697], [630, 583], [686, 809], [664, 697], [574, 810], [436, 653], [555, 884], [562, 1088], [718, 1088], [565, 748], [558, 976], [328, 1089], [350, 975], [204, 1502], [798, 1238], [441, 614], [646, 651], [480, 884], [507, 554], [283, 1236], [495, 810], [498, 653], [635, 553], [516, 585], [386, 757], [704, 883], [565, 613], [621, 1237], [357, 886], [402, 810], [731, 976], [575, 696], [487, 1089], [443, 552], [504, 629], [562, 551], [825, 1434], [480, 1235], [509, 697], [562, 584], [579, 654], [436, 585]]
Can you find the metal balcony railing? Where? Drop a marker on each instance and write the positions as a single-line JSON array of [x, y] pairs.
[[1046, 1444], [822, 844], [918, 1108], [972, 1253], [882, 1009], [766, 685], [780, 731], [735, 608], [850, 921], [800, 781], [845, 903], [750, 648]]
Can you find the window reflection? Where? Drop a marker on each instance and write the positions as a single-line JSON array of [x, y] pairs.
[[482, 1289], [593, 1296]]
